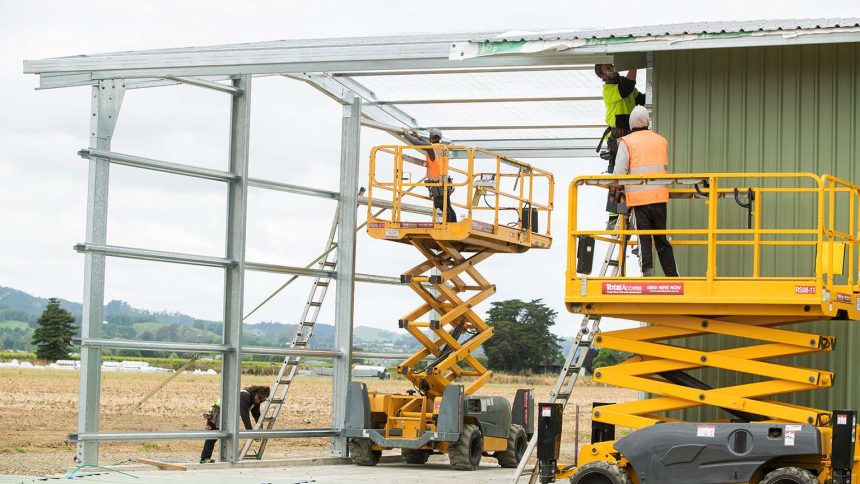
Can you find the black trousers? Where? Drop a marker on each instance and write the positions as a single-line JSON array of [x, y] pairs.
[[438, 200], [653, 217], [208, 447]]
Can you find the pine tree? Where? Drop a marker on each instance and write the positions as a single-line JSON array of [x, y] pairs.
[[53, 336], [522, 339]]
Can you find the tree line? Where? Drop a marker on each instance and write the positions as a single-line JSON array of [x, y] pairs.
[[522, 340]]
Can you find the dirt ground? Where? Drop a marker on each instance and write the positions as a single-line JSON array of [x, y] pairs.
[[38, 408]]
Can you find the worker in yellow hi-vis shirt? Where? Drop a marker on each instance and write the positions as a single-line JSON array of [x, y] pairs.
[[620, 96]]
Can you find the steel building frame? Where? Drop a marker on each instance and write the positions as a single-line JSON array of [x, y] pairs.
[[238, 67], [335, 67]]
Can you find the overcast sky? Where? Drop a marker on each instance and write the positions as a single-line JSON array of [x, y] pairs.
[[294, 138]]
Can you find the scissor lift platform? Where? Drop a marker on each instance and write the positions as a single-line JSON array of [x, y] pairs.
[[466, 235], [718, 299], [505, 207], [789, 298]]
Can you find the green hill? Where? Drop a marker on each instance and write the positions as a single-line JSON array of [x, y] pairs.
[[19, 312]]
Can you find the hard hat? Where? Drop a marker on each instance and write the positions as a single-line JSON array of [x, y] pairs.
[[435, 132], [639, 117]]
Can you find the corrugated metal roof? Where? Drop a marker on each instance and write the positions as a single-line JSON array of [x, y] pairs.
[[695, 28]]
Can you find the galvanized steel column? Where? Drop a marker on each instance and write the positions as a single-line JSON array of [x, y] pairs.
[[106, 101], [234, 276], [345, 281]]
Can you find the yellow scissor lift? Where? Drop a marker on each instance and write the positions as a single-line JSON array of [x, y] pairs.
[[764, 440], [501, 203]]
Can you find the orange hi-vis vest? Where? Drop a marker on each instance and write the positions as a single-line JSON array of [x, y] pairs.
[[648, 156], [437, 168]]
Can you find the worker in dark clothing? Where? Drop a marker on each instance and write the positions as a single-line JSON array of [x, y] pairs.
[[619, 98], [644, 152], [250, 400], [437, 169], [213, 419]]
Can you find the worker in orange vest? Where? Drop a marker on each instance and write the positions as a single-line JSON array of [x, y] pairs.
[[436, 159], [644, 152]]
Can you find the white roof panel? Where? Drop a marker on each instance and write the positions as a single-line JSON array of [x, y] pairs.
[[694, 28]]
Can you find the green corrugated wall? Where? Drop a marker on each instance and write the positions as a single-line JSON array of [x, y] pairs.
[[792, 108]]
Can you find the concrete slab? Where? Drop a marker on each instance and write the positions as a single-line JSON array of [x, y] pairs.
[[437, 472]]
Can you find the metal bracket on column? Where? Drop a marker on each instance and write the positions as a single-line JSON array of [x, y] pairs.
[[107, 100]]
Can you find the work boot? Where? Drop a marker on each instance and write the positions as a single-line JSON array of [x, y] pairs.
[[207, 461], [648, 272]]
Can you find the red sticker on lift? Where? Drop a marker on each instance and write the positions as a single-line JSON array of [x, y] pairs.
[[706, 431], [376, 225], [804, 290], [645, 288], [843, 298]]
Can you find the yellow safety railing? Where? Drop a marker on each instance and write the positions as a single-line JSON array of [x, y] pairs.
[[834, 227], [476, 175]]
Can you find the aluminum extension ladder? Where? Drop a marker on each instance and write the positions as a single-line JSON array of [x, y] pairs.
[[290, 366], [576, 357]]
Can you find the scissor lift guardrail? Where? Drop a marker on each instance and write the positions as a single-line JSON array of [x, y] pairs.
[[491, 193]]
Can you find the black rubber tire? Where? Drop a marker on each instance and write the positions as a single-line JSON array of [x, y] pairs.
[[362, 453], [517, 443], [600, 472], [789, 475], [415, 456], [465, 453]]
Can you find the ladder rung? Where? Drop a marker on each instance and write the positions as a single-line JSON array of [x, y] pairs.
[[308, 324], [299, 343], [329, 264], [315, 303]]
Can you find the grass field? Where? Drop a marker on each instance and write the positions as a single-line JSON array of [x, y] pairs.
[[14, 325], [38, 408]]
